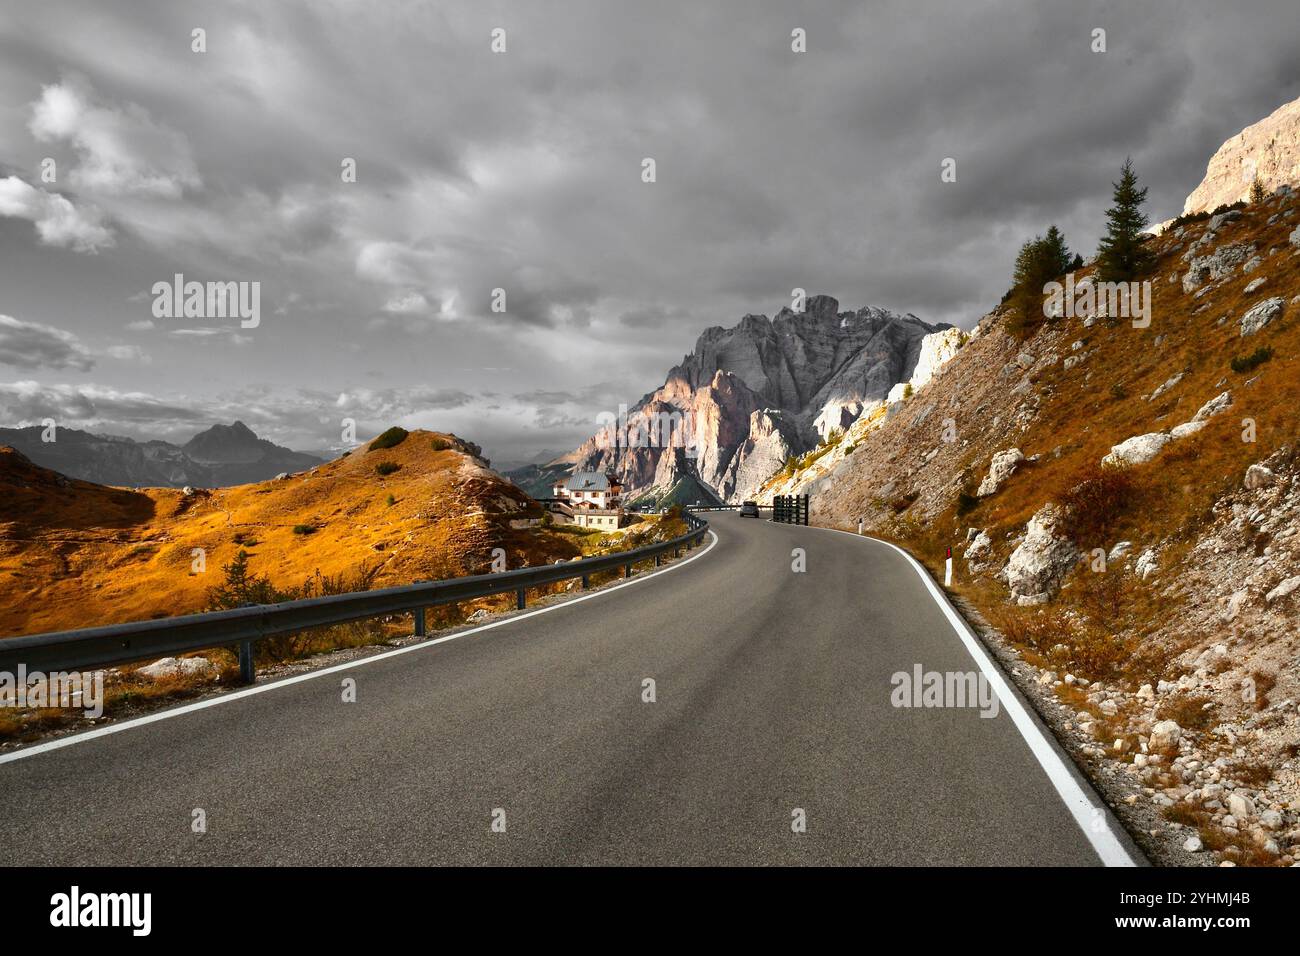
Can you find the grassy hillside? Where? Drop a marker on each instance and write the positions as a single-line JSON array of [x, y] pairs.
[[1185, 569]]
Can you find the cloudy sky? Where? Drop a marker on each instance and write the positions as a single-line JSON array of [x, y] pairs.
[[522, 170]]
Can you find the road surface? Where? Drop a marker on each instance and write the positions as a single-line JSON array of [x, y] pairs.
[[773, 695]]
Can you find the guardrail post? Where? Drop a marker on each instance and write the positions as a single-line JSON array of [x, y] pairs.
[[521, 598], [586, 581], [658, 560], [418, 616], [627, 570], [247, 673]]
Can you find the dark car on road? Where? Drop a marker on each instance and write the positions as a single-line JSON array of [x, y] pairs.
[[749, 509]]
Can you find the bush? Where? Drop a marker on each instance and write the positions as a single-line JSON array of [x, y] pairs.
[[1245, 363], [1118, 392], [390, 439], [1098, 497], [966, 502], [440, 444], [390, 501], [387, 467], [305, 529]]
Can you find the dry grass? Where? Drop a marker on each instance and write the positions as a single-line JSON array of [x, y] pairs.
[[1189, 711]]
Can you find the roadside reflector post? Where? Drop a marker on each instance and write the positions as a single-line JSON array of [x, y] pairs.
[[627, 570], [658, 560], [947, 568], [418, 615], [247, 673]]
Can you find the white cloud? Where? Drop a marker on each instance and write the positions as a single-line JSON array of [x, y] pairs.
[[58, 222], [122, 151], [409, 303], [31, 345], [128, 353]]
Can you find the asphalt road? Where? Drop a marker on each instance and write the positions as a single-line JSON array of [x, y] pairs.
[[773, 693]]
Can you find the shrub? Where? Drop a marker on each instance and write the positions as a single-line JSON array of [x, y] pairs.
[[907, 390], [390, 439], [1118, 391], [387, 467], [1098, 497], [390, 501], [966, 502], [1245, 363], [305, 529], [440, 444], [1188, 711]]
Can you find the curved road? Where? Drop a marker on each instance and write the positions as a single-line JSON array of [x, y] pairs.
[[773, 693]]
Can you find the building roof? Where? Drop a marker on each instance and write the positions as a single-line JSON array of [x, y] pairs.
[[587, 481]]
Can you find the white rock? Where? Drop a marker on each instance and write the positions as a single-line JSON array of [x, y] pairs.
[[1193, 844], [180, 667], [1253, 285], [1283, 589], [1165, 735], [1241, 807], [1146, 693], [1186, 429], [1146, 564], [1137, 450], [1215, 405], [1120, 549], [1000, 469], [1271, 819], [1259, 476], [1036, 568], [1261, 314]]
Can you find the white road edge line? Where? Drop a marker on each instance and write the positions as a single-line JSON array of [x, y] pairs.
[[1095, 821], [334, 669]]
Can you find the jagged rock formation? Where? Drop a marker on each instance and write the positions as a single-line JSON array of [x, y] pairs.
[[749, 397], [1269, 149]]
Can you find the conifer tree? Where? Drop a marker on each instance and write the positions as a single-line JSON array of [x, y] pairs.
[[1122, 254]]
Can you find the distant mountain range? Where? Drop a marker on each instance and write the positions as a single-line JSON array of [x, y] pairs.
[[222, 455], [749, 397]]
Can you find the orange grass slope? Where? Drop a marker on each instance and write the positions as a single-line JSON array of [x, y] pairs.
[[76, 554]]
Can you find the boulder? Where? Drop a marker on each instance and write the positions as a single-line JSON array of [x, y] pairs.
[[1282, 590], [1165, 735], [1219, 264], [1259, 476], [1215, 405], [1261, 314], [1000, 469], [1146, 564], [1037, 567], [168, 667], [1186, 429], [1137, 450]]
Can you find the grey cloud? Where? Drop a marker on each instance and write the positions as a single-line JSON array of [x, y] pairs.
[[29, 345]]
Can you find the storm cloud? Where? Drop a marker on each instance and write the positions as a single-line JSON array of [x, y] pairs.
[[521, 171]]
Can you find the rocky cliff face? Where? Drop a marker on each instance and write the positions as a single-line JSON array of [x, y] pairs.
[[748, 397], [1269, 149]]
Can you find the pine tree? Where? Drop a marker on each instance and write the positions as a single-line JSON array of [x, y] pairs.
[[1040, 261], [1122, 256], [1257, 193]]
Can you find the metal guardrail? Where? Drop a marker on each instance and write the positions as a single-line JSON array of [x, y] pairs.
[[96, 647], [790, 509]]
